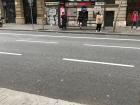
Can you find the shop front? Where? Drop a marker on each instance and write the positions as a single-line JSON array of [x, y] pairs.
[[72, 9], [75, 8], [51, 12]]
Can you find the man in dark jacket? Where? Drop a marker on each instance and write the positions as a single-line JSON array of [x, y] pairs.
[[64, 21]]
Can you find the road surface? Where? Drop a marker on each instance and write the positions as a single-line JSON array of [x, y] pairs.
[[86, 69]]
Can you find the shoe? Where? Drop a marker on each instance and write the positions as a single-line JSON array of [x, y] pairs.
[[96, 31]]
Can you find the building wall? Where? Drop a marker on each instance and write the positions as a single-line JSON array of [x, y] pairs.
[[1, 9], [121, 21], [41, 11], [19, 12]]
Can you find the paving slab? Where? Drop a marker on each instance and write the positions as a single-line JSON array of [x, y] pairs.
[[12, 97]]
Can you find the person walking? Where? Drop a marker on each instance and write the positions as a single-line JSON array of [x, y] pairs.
[[99, 21], [64, 21], [134, 19]]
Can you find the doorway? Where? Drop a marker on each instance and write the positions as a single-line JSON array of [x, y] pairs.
[[9, 10], [109, 18], [27, 12]]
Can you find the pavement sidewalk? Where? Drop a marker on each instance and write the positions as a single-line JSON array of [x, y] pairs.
[[76, 30], [11, 97]]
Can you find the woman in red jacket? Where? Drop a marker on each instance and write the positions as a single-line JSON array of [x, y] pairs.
[[134, 19]]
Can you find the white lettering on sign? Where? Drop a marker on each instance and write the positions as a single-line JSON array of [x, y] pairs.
[[52, 11], [98, 9], [99, 3]]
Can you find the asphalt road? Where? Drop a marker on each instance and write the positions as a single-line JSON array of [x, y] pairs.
[[89, 69]]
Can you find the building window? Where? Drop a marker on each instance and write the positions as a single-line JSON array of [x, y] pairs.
[[106, 1], [110, 1]]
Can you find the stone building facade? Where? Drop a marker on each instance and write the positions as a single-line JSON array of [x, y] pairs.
[[20, 15], [42, 10]]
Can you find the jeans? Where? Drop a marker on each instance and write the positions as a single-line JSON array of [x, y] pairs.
[[98, 28], [64, 25], [134, 24]]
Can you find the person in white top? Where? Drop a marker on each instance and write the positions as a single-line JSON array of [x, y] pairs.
[[99, 22]]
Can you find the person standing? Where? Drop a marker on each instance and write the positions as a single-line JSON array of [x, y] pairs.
[[83, 18], [80, 19], [99, 21], [64, 21], [134, 19]]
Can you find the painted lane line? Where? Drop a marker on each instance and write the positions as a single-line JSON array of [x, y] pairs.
[[73, 37], [107, 46], [7, 53], [37, 41], [96, 62]]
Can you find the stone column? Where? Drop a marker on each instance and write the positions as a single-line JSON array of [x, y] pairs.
[[40, 11], [1, 9], [19, 12], [121, 21]]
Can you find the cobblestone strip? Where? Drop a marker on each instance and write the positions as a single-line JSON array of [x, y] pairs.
[[11, 97]]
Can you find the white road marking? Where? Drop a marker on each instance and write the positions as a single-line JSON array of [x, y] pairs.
[[107, 46], [7, 53], [96, 62], [72, 37], [37, 41]]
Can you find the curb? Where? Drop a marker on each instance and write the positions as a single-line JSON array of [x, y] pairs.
[[16, 30], [97, 33], [77, 32]]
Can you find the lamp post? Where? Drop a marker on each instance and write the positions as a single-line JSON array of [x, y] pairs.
[[31, 5], [115, 21]]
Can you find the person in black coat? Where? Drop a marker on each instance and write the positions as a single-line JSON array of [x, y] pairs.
[[64, 21]]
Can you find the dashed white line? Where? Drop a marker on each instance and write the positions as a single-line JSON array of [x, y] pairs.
[[37, 41], [7, 53], [96, 62], [72, 37], [107, 46]]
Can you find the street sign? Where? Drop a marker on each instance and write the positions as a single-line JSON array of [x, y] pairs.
[[99, 3]]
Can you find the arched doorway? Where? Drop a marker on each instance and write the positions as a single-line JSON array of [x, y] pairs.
[[9, 10], [27, 12]]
